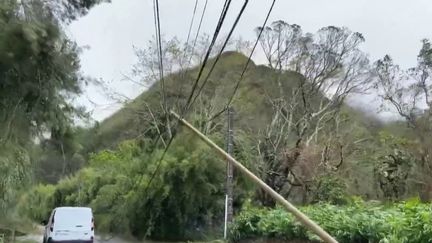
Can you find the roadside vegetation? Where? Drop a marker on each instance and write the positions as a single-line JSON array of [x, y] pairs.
[[356, 221]]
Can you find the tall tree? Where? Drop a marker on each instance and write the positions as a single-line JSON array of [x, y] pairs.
[[331, 67], [39, 76], [409, 92]]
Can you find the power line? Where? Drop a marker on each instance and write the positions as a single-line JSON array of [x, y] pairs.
[[186, 47], [215, 35], [160, 61], [222, 49], [218, 27], [198, 31], [247, 64], [190, 26], [192, 21], [159, 45], [189, 103]]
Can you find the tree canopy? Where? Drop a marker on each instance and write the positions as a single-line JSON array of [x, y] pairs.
[[39, 76]]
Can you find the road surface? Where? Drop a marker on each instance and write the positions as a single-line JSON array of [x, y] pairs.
[[38, 237]]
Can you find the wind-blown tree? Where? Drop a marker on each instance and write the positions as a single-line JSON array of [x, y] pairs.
[[331, 67], [62, 11], [409, 92], [39, 67], [39, 76], [280, 42]]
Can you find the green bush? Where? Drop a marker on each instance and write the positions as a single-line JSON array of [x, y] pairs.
[[37, 203], [330, 189], [186, 193], [358, 222], [14, 175]]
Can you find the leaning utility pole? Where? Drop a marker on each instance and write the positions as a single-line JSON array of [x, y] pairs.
[[230, 176], [308, 223]]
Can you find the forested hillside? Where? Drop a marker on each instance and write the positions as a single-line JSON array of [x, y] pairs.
[[255, 106]]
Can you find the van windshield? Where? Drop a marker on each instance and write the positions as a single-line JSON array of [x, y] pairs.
[[73, 218]]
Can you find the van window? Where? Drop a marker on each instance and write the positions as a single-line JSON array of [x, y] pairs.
[[73, 218], [51, 219]]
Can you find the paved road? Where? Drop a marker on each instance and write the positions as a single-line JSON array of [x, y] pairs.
[[38, 237]]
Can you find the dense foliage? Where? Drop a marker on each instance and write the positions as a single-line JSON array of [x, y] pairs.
[[184, 197], [359, 222], [33, 73], [39, 76]]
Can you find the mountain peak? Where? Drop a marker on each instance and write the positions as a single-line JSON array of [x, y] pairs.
[[234, 58]]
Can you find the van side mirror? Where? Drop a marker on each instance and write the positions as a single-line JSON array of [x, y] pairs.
[[44, 222]]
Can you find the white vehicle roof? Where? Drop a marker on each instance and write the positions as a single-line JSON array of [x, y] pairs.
[[73, 208], [66, 217]]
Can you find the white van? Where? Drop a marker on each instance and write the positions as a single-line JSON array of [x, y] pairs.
[[70, 224]]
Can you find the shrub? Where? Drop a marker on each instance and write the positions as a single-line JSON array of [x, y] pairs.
[[359, 222], [330, 189], [186, 193], [37, 203]]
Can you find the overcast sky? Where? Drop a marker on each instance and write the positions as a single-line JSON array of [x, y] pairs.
[[111, 30]]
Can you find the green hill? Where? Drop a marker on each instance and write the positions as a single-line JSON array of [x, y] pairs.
[[253, 110], [253, 113]]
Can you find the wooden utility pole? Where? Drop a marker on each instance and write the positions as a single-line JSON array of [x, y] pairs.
[[230, 174], [308, 223]]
